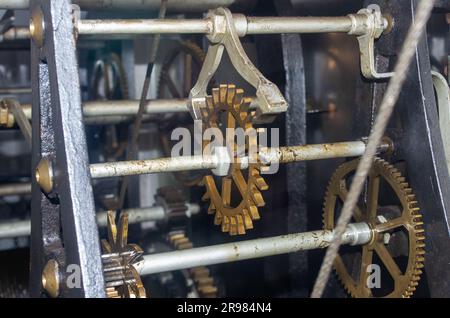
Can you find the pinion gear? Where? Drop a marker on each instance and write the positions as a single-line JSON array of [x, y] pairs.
[[121, 278]]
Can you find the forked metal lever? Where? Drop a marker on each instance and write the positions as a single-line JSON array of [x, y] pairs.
[[270, 101]]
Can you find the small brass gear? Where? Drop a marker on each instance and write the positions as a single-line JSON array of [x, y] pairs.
[[204, 282], [403, 215], [121, 278], [230, 101]]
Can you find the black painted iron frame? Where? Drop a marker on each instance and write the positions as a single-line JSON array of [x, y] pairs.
[[63, 223], [414, 129]]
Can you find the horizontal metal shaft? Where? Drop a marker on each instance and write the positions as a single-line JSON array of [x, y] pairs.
[[312, 152], [172, 5], [13, 229], [15, 189], [16, 33], [15, 90], [356, 234], [113, 111], [137, 167], [251, 26], [270, 155], [127, 107]]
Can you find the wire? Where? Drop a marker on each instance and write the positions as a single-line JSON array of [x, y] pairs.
[[142, 103]]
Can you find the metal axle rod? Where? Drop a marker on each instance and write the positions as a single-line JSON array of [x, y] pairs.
[[355, 25], [199, 162], [356, 234], [112, 112], [244, 26], [130, 107], [22, 228], [15, 189]]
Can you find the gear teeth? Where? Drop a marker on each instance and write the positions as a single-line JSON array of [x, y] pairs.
[[261, 183], [238, 97], [248, 223], [231, 92], [201, 275], [257, 198], [240, 224], [235, 221], [223, 91], [225, 224], [215, 96], [414, 223], [233, 226], [254, 214], [218, 218]]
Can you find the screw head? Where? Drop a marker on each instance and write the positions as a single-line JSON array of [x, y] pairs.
[[50, 278], [37, 27], [44, 175]]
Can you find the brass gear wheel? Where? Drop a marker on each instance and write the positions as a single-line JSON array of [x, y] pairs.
[[121, 278], [204, 282], [230, 101], [384, 220]]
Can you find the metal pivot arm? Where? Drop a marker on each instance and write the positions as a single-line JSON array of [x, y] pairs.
[[224, 36], [375, 25], [64, 234]]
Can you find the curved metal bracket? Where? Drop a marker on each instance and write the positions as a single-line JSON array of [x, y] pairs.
[[443, 102], [270, 101], [375, 24]]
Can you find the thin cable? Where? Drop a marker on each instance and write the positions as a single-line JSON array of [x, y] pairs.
[[142, 103], [387, 106]]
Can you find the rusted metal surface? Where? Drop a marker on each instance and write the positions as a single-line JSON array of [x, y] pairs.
[[237, 251], [136, 167], [312, 152]]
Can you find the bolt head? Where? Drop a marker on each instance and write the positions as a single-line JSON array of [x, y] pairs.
[[386, 238], [37, 27], [50, 278], [44, 175]]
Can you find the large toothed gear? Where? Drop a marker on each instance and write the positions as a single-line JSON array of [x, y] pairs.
[[390, 208], [233, 218]]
